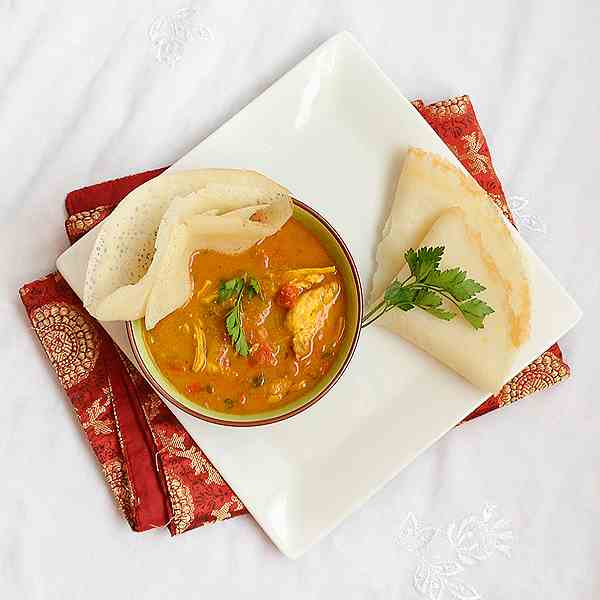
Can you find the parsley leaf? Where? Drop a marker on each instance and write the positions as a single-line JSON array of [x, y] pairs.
[[455, 282], [475, 311], [400, 297], [410, 256], [230, 288], [253, 288], [467, 289], [431, 302], [235, 328], [427, 299], [423, 261], [236, 288], [446, 279], [441, 313], [428, 287]]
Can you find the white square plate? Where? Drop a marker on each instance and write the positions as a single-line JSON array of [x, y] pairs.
[[334, 131]]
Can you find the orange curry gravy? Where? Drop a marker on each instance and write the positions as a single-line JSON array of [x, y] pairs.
[[272, 374]]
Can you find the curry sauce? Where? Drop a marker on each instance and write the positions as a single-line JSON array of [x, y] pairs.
[[293, 327]]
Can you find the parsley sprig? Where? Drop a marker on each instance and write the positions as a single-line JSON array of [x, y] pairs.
[[427, 287], [234, 321], [253, 288]]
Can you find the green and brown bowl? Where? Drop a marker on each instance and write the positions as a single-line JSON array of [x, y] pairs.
[[348, 271]]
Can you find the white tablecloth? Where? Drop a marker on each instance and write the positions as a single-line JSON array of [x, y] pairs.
[[87, 95]]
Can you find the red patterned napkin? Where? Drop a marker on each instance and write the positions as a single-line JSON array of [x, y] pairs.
[[156, 472]]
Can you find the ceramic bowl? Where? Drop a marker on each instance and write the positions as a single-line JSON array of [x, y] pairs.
[[338, 250]]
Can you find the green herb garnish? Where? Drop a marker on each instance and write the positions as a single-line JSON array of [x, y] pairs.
[[230, 288], [234, 321], [427, 287], [253, 288]]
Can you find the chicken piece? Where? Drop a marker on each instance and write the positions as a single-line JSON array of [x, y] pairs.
[[308, 281], [300, 280], [308, 316], [304, 279], [294, 273], [200, 350], [289, 292]]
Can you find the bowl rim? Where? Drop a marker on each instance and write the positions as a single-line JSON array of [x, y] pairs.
[[158, 388]]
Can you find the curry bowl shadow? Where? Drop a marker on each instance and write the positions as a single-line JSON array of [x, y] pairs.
[[348, 271]]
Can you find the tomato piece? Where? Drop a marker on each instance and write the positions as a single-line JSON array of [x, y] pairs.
[[193, 388], [287, 295], [263, 355]]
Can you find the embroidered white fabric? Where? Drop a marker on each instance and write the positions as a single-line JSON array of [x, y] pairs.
[[527, 221], [88, 95], [439, 567], [169, 35]]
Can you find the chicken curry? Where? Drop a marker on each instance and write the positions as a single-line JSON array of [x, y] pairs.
[[262, 327]]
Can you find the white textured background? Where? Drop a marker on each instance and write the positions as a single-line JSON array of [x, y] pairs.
[[83, 98]]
